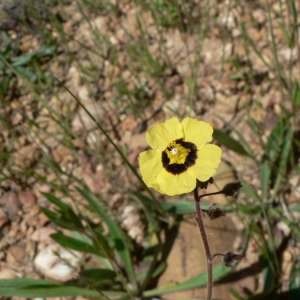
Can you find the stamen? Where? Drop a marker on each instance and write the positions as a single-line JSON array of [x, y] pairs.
[[179, 156], [174, 151]]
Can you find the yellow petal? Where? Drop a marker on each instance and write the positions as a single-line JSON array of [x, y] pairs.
[[167, 183], [197, 132], [150, 165], [209, 157], [159, 136]]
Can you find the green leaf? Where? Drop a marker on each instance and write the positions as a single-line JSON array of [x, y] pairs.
[[275, 140], [294, 227], [151, 209], [4, 85], [187, 207], [250, 191], [159, 270], [230, 143], [295, 207], [8, 47], [26, 58], [26, 73], [293, 29], [64, 219], [268, 275], [98, 274], [22, 60], [295, 281], [179, 207], [101, 243], [265, 170], [117, 236], [235, 294], [277, 153], [283, 159], [285, 32], [155, 272], [32, 288], [236, 77], [57, 202], [249, 209], [197, 281], [74, 244], [56, 218], [292, 41], [296, 94]]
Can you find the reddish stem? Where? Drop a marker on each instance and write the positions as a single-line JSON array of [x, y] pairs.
[[217, 254], [199, 220]]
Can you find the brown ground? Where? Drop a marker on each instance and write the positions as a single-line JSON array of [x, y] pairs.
[[216, 98]]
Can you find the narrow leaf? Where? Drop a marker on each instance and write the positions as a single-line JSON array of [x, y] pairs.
[[187, 207], [229, 142], [295, 281], [197, 281], [74, 244], [57, 201], [98, 274], [117, 235], [64, 219], [33, 288]]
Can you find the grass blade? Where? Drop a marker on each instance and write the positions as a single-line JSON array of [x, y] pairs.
[[197, 281], [117, 236], [74, 244], [32, 288], [226, 140]]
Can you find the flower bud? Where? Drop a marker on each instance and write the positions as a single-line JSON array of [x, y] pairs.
[[231, 189], [229, 258], [203, 185], [214, 212]]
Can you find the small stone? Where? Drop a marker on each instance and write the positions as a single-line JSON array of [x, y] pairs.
[[16, 255], [53, 266], [260, 16], [284, 228], [42, 219], [30, 250], [31, 215], [7, 274], [32, 274], [83, 93], [288, 54], [3, 221], [131, 221], [27, 156], [42, 234], [82, 121], [11, 203], [116, 200], [27, 197], [16, 118], [60, 153]]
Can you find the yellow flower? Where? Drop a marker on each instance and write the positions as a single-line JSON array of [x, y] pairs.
[[179, 156]]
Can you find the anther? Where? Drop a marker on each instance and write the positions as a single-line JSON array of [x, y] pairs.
[[174, 151]]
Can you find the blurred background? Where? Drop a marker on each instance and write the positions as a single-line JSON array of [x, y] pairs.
[[80, 84]]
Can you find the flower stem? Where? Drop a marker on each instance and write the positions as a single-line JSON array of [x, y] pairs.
[[208, 194], [217, 254], [199, 221]]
